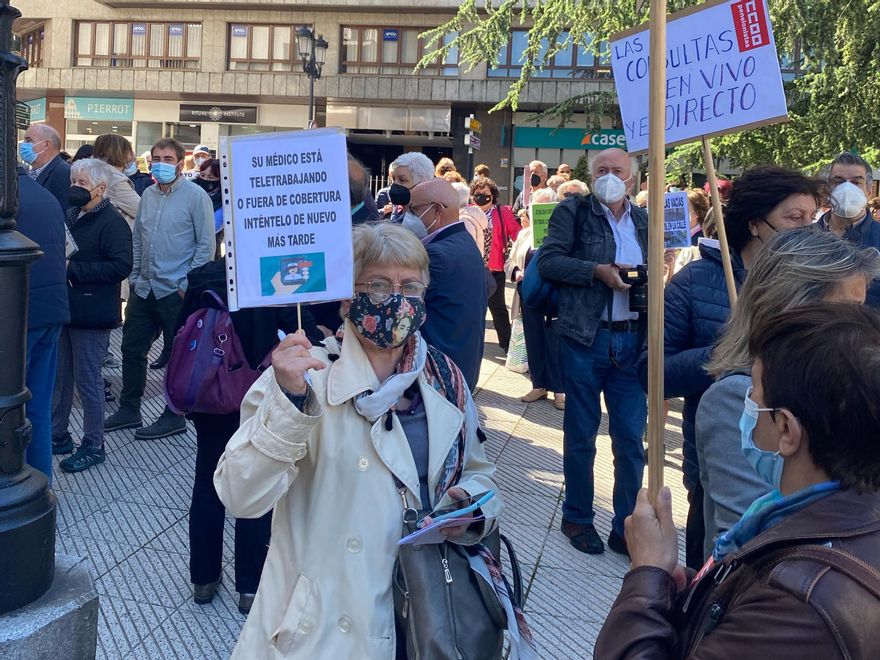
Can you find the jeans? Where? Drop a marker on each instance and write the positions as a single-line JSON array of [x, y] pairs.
[[498, 309], [587, 372], [42, 357], [542, 347], [145, 319], [80, 353], [207, 515]]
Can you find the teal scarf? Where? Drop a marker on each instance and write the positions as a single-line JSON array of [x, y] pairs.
[[765, 512]]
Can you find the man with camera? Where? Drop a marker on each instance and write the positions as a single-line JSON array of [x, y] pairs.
[[595, 243]]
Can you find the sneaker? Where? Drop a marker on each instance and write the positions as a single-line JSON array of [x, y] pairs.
[[84, 458], [110, 362], [63, 444], [167, 424], [124, 418], [584, 538]]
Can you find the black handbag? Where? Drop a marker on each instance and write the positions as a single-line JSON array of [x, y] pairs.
[[442, 608]]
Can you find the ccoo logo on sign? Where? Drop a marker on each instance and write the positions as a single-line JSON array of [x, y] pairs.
[[750, 23]]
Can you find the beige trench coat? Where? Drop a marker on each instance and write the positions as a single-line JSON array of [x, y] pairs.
[[326, 585]]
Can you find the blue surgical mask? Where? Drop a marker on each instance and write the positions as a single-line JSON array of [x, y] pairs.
[[130, 169], [27, 153], [163, 172], [767, 464], [412, 222]]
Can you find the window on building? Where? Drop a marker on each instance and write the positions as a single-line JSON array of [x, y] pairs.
[[138, 45], [255, 47], [32, 45], [570, 63], [391, 51]]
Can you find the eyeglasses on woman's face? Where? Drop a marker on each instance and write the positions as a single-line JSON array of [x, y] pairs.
[[380, 289]]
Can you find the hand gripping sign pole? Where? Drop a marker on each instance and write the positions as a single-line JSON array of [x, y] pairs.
[[718, 210], [656, 181]]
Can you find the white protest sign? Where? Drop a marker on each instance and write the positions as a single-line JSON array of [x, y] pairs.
[[722, 73], [287, 218], [676, 221]]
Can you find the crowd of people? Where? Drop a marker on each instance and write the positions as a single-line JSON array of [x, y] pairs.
[[360, 424]]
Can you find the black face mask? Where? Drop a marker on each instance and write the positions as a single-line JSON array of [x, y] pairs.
[[482, 199], [78, 196], [398, 194], [207, 186], [535, 180]]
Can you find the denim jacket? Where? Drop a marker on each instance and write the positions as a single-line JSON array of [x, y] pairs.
[[579, 238]]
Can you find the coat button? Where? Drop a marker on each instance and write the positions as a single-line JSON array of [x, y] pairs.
[[305, 626], [299, 453], [363, 463], [355, 544], [344, 624]]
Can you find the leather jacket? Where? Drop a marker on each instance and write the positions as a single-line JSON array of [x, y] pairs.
[[759, 604]]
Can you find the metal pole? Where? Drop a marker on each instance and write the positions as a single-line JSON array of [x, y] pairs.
[[27, 507], [311, 97], [656, 181]]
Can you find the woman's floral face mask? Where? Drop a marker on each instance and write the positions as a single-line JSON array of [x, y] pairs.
[[389, 324]]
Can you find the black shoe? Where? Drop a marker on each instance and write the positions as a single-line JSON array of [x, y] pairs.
[[109, 397], [63, 444], [161, 361], [124, 418], [84, 458], [204, 593], [583, 537], [617, 543], [167, 424], [245, 602]]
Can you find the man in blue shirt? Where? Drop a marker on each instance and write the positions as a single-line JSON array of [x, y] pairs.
[[173, 234]]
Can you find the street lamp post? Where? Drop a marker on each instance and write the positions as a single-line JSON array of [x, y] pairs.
[[27, 507], [313, 51]]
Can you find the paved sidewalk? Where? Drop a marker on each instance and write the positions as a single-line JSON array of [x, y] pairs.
[[128, 519]]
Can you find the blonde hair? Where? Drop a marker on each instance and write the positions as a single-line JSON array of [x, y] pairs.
[[443, 166], [387, 244], [795, 268]]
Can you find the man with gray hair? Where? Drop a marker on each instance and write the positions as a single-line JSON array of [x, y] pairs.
[[590, 240], [850, 178], [537, 174], [40, 149]]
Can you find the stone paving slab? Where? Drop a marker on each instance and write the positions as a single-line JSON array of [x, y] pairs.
[[129, 518]]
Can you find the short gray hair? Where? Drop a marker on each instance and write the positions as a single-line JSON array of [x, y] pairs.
[[797, 267], [847, 158], [575, 185], [46, 132], [543, 196], [95, 170], [419, 165], [541, 166], [464, 193], [387, 244]]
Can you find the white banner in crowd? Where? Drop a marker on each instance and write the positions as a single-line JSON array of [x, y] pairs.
[[676, 221], [287, 218], [722, 73]]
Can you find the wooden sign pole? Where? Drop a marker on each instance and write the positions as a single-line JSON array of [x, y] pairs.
[[656, 183], [718, 210]]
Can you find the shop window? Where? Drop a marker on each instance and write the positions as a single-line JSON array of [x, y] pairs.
[[391, 51], [254, 47], [32, 45], [570, 63], [138, 45]]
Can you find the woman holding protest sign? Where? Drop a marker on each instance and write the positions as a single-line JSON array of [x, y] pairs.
[[342, 439], [796, 268], [763, 201]]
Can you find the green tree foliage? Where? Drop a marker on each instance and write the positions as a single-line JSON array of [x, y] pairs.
[[833, 106]]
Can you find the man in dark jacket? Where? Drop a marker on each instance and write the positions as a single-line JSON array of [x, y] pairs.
[[799, 575], [40, 219], [456, 295], [850, 178], [41, 150], [589, 239]]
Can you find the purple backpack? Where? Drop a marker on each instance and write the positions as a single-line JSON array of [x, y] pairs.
[[208, 371]]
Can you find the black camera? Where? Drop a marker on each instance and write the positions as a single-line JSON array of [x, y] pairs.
[[637, 278]]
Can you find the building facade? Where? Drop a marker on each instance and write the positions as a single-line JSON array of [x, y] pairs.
[[202, 69]]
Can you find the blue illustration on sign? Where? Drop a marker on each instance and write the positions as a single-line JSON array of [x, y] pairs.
[[391, 35]]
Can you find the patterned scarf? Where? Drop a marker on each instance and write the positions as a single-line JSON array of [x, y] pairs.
[[765, 512], [74, 214]]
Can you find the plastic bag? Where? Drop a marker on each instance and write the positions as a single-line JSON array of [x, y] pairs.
[[517, 359]]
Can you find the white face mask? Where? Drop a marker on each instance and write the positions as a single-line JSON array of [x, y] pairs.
[[848, 201], [610, 188]]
